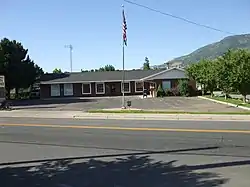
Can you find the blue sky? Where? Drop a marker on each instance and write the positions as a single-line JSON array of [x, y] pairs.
[[93, 27]]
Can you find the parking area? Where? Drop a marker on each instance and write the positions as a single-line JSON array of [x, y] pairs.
[[189, 104]]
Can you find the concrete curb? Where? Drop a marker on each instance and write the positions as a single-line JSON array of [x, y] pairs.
[[124, 116], [166, 117], [224, 103]]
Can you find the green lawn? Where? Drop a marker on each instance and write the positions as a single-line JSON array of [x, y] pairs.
[[229, 100], [164, 112]]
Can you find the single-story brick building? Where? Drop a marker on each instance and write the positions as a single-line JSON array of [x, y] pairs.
[[109, 83]]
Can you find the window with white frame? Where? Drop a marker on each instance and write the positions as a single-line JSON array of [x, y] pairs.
[[126, 87], [86, 88], [139, 86], [100, 88]]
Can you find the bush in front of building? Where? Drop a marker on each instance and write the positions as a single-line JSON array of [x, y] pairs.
[[186, 89], [183, 87], [175, 91], [172, 92], [168, 92], [160, 92]]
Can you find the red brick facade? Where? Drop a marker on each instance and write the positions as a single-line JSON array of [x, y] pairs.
[[111, 89], [45, 90]]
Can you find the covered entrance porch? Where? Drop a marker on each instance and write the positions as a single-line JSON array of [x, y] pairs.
[[167, 79]]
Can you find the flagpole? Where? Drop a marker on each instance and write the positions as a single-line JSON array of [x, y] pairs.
[[123, 72], [123, 77]]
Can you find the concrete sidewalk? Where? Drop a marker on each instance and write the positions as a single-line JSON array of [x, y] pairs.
[[120, 116], [39, 114]]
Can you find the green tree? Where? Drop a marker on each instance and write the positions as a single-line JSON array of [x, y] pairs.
[[83, 70], [241, 72], [146, 65], [57, 70], [1, 56], [210, 75], [34, 73], [192, 72], [225, 66], [107, 67], [204, 73], [2, 62], [17, 67]]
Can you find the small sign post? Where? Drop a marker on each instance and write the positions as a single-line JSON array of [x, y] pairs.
[[2, 88]]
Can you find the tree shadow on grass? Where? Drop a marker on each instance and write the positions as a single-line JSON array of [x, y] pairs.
[[132, 171]]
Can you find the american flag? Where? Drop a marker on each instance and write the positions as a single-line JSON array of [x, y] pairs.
[[124, 28]]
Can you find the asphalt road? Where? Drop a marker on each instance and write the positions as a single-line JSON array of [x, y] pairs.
[[63, 154]]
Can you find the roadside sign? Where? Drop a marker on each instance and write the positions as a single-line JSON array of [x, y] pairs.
[[2, 82], [2, 88]]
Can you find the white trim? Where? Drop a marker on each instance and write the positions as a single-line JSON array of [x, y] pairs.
[[103, 84], [89, 88], [44, 82], [150, 76], [142, 86], [129, 87]]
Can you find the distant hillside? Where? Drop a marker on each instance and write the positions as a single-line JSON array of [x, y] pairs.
[[214, 50]]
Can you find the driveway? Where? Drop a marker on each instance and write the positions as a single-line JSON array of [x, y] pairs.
[[190, 104]]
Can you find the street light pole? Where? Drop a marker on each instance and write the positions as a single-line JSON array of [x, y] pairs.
[[70, 55]]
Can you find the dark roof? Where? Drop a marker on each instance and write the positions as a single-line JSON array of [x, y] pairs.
[[96, 76]]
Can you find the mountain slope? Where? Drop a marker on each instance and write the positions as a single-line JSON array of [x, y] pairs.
[[214, 50]]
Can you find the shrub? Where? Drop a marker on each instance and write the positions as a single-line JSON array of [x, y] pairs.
[[183, 87], [175, 91], [168, 92], [160, 92], [172, 92]]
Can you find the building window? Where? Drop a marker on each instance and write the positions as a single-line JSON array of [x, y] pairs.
[[100, 88], [55, 90], [126, 87], [86, 88], [166, 85], [68, 89], [139, 86]]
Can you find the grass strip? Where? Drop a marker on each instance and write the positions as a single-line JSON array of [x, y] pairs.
[[230, 100]]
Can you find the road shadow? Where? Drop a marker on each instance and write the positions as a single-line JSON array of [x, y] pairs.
[[37, 102], [33, 107], [141, 152], [131, 171]]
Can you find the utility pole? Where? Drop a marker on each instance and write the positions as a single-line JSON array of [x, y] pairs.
[[70, 55]]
